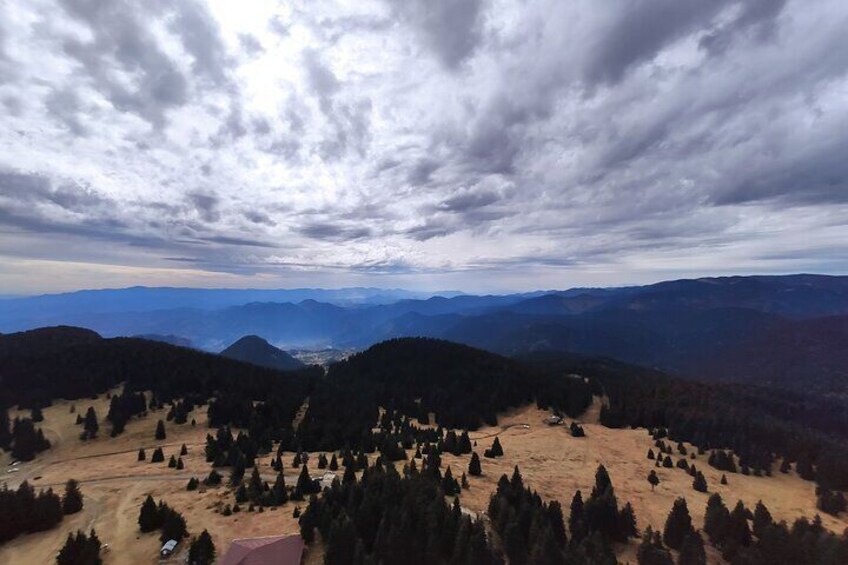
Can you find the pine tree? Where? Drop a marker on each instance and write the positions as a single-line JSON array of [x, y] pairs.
[[214, 478], [158, 455], [678, 524], [148, 517], [141, 455], [184, 451], [304, 484], [334, 463], [202, 550], [700, 483], [577, 518], [651, 551], [90, 424], [715, 519], [627, 523], [322, 461], [692, 552], [172, 462], [192, 484], [72, 500], [173, 526], [474, 467], [723, 479], [180, 464], [160, 430], [653, 479], [279, 490], [762, 519], [651, 454]]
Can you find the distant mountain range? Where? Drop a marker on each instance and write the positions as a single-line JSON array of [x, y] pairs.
[[254, 349], [790, 331]]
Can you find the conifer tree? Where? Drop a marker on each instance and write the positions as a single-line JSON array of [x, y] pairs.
[[160, 430], [184, 451], [653, 479], [627, 523], [692, 552], [158, 455], [202, 550], [148, 517], [334, 463], [280, 494], [700, 483], [715, 519], [678, 524], [474, 467], [723, 479], [192, 484], [72, 500], [577, 518], [762, 519], [141, 455], [180, 464], [172, 462], [651, 551], [90, 425]]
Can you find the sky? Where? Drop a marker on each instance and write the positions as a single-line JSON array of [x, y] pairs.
[[479, 145]]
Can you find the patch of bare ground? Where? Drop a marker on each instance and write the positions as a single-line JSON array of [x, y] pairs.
[[552, 462], [556, 464], [114, 484]]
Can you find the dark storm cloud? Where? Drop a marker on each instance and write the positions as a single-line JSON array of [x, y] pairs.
[[450, 28]]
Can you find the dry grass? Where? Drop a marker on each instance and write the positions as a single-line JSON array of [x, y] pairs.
[[114, 483]]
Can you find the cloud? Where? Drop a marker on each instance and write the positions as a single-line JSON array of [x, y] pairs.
[[452, 29], [410, 141]]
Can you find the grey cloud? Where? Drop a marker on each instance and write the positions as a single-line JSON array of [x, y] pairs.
[[333, 232], [258, 217], [350, 121], [466, 200], [13, 105], [206, 205], [201, 37], [238, 241], [119, 36], [250, 44], [421, 171], [757, 15], [65, 106], [450, 28], [641, 29]]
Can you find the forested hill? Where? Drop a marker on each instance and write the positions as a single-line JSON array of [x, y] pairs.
[[463, 386], [41, 365], [254, 349]]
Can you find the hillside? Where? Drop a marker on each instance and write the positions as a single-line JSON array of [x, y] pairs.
[[254, 349], [39, 366]]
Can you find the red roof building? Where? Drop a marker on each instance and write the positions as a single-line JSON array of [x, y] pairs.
[[273, 550]]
